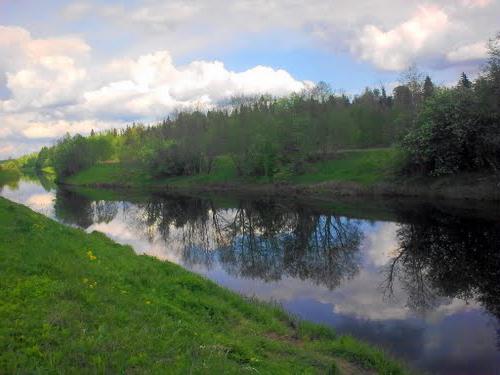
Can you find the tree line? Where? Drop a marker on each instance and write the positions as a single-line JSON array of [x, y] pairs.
[[443, 130]]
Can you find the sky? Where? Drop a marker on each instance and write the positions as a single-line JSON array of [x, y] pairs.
[[73, 66]]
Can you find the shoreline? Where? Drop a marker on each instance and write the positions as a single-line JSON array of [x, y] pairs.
[[466, 187], [62, 279]]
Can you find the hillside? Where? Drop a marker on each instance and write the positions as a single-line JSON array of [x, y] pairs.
[[78, 302]]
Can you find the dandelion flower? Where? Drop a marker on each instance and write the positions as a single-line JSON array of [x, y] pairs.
[[90, 255]]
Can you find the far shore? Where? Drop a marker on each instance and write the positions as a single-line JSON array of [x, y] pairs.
[[470, 187]]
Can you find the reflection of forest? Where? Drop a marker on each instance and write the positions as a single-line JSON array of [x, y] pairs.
[[75, 209], [261, 239], [443, 255], [440, 254], [12, 180]]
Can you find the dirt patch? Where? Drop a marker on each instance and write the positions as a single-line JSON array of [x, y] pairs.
[[289, 339], [348, 368], [343, 366]]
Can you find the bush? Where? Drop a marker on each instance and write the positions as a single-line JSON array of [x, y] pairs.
[[73, 154], [459, 128], [453, 136]]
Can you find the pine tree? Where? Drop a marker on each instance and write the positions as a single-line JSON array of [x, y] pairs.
[[384, 101], [464, 82], [428, 88]]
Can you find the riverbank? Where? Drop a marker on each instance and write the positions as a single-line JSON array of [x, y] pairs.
[[78, 302], [362, 173], [9, 172]]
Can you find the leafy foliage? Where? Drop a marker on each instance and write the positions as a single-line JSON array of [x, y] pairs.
[[265, 137], [459, 128], [72, 154]]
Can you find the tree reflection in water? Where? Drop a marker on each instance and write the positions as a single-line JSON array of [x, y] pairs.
[[443, 255], [75, 209], [260, 239], [269, 241], [440, 255]]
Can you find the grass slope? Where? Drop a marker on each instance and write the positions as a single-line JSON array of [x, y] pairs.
[[74, 302], [110, 173], [362, 166]]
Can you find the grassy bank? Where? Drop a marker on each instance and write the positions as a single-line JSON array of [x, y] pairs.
[[370, 172], [363, 166], [360, 166], [78, 302]]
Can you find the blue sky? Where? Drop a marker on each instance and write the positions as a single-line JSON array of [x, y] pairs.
[[305, 62], [72, 66]]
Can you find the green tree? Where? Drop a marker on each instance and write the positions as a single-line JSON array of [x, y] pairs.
[[464, 82], [428, 88], [73, 154]]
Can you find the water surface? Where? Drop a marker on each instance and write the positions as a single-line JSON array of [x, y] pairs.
[[420, 280]]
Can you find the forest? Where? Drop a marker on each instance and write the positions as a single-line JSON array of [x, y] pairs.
[[439, 130]]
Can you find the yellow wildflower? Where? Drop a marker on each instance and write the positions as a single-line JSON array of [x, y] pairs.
[[90, 255]]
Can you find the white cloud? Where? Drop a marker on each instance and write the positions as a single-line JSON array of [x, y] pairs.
[[55, 89], [54, 129], [381, 244], [165, 17], [51, 81], [6, 150], [40, 72], [396, 48], [469, 52], [42, 202], [59, 82], [476, 3], [18, 47], [5, 132], [152, 86], [387, 33], [76, 10]]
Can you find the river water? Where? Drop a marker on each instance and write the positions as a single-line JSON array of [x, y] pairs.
[[420, 280]]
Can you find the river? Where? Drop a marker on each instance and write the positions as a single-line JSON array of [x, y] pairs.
[[420, 279]]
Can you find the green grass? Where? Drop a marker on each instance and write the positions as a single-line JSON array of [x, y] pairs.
[[114, 173], [361, 166], [110, 173], [223, 171], [74, 302]]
